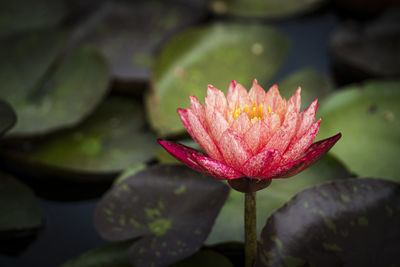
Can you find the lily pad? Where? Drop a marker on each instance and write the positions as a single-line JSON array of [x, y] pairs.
[[70, 94], [128, 34], [113, 138], [313, 85], [264, 8], [19, 208], [344, 223], [170, 207], [7, 117], [229, 225], [26, 15], [368, 117], [369, 49], [213, 54]]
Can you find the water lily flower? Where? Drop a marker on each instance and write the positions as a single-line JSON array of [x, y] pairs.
[[250, 137]]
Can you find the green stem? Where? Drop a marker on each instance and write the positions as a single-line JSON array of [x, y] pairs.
[[250, 241]]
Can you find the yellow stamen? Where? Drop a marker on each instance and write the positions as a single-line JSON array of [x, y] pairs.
[[246, 107], [269, 109], [236, 113], [261, 110], [254, 112]]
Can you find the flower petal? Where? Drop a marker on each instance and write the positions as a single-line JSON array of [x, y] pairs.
[[217, 124], [201, 136], [182, 153], [231, 88], [295, 100], [185, 121], [258, 136], [241, 124], [306, 119], [272, 98], [297, 147], [256, 93], [217, 168], [239, 96], [234, 149], [198, 109], [313, 153], [255, 165], [215, 99]]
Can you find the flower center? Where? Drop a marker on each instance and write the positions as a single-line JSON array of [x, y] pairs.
[[254, 112]]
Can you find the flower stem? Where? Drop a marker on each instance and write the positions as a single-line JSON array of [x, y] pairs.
[[250, 241]]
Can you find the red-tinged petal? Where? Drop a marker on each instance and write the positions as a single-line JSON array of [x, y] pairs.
[[306, 119], [295, 100], [272, 98], [282, 137], [217, 124], [215, 99], [231, 88], [255, 165], [234, 149], [298, 146], [182, 153], [256, 93], [202, 137], [185, 121], [239, 96], [257, 136], [241, 124], [198, 109], [217, 168], [313, 154]]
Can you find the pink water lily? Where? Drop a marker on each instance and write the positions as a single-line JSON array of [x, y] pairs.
[[256, 134]]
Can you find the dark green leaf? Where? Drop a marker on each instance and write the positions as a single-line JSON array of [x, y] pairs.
[[264, 8], [170, 207], [26, 15], [353, 222], [229, 225], [71, 93], [204, 258], [19, 208], [112, 139], [7, 117], [111, 255], [368, 117], [129, 34], [212, 54]]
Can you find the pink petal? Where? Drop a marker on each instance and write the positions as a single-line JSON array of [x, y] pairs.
[[282, 137], [217, 124], [239, 96], [273, 122], [298, 146], [198, 109], [255, 166], [295, 100], [201, 136], [258, 136], [256, 93], [185, 121], [215, 99], [272, 98], [241, 124], [306, 119], [216, 168], [231, 88], [234, 149], [313, 154], [182, 153]]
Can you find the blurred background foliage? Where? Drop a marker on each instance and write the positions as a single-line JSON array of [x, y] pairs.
[[86, 88]]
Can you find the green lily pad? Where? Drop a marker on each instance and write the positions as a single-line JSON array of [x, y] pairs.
[[67, 97], [368, 117], [229, 225], [313, 84], [19, 208], [113, 138], [353, 222], [129, 34], [264, 8], [26, 15], [205, 258], [7, 117], [213, 54], [111, 255], [170, 207], [369, 49]]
